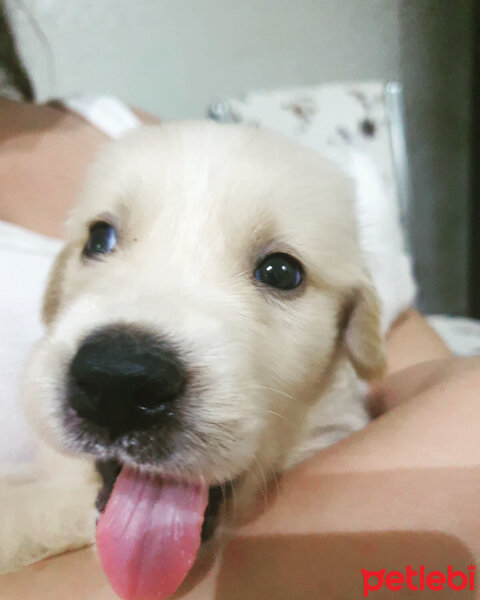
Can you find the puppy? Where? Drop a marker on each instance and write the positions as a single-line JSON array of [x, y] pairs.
[[207, 325]]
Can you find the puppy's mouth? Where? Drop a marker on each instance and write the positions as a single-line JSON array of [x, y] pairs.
[[151, 527]]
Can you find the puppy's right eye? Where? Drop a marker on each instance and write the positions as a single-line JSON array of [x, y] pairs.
[[102, 239], [280, 271]]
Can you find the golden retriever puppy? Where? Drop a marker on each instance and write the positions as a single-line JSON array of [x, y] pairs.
[[208, 322]]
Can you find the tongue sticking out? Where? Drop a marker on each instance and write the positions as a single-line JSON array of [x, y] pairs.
[[149, 534]]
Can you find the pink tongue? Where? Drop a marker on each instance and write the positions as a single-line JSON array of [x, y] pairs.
[[149, 534]]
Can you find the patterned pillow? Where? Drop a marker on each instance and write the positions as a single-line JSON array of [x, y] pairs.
[[348, 123], [332, 118]]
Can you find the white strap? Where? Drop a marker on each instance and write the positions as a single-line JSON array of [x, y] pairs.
[[106, 113]]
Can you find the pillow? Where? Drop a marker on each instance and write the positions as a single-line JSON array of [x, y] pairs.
[[347, 122]]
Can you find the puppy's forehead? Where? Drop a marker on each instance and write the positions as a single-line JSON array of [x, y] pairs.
[[203, 181]]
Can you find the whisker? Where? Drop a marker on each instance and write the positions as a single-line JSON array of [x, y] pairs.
[[272, 412], [280, 392], [264, 480], [274, 476]]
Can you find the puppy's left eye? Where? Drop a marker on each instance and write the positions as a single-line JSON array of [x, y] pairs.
[[102, 239], [280, 271]]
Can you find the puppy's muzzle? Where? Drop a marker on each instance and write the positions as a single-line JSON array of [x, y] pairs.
[[125, 380]]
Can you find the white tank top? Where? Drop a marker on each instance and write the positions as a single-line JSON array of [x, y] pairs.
[[26, 257], [25, 261]]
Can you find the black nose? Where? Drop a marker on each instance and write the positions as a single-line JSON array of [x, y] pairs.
[[124, 380]]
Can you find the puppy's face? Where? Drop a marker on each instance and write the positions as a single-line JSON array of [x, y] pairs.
[[210, 282]]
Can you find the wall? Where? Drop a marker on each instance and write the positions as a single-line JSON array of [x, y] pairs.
[[436, 66], [172, 57]]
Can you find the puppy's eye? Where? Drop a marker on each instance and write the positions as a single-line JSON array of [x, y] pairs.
[[102, 239], [280, 271]]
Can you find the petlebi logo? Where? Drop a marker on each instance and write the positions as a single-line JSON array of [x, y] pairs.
[[418, 580]]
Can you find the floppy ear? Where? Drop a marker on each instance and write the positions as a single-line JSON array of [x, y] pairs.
[[52, 295], [363, 339]]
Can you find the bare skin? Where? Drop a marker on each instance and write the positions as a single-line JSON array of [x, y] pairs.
[[33, 138], [404, 490]]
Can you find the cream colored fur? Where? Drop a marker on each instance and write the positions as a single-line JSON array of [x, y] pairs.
[[195, 205], [47, 509]]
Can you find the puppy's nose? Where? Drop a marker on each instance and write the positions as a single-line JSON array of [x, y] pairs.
[[125, 380]]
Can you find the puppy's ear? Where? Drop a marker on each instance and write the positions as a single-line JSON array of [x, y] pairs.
[[52, 296], [363, 339]]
